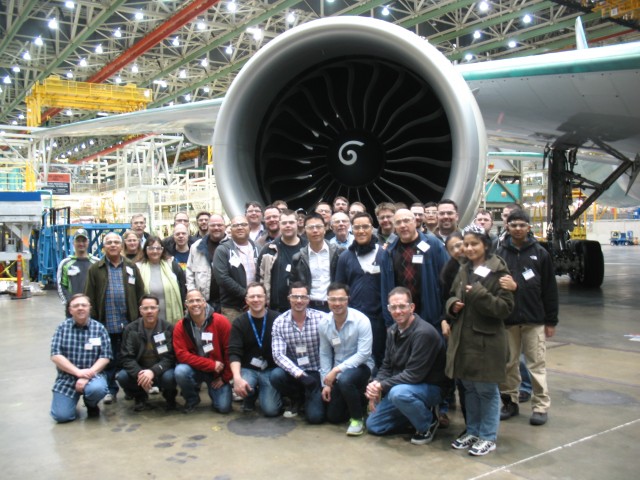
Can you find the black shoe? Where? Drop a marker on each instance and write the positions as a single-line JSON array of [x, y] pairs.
[[171, 405], [93, 412], [510, 409], [524, 396], [141, 405], [420, 438], [538, 418], [191, 407]]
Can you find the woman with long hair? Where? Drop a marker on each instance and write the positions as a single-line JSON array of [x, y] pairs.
[[163, 278], [131, 244], [477, 348]]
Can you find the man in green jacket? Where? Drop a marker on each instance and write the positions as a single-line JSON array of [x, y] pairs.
[[114, 286]]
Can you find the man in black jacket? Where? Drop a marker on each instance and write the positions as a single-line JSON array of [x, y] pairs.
[[534, 317], [147, 356]]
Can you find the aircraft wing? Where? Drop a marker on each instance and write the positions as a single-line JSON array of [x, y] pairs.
[[565, 100], [196, 120]]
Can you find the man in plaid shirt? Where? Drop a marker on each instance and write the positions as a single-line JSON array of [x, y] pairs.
[[81, 350], [295, 346]]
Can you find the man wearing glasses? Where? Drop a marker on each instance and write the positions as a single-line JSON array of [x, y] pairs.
[[80, 349], [416, 262], [534, 317], [345, 360], [234, 267], [296, 351], [409, 384], [359, 267], [201, 344], [384, 214], [253, 214], [114, 287], [315, 264], [447, 219], [324, 210]]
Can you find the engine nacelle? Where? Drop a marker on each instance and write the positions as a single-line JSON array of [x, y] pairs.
[[349, 106]]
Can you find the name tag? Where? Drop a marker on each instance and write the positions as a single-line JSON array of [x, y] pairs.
[[287, 268], [303, 361], [234, 262], [73, 271], [129, 271], [423, 246], [259, 363], [132, 280], [301, 349], [207, 336], [159, 338], [95, 341], [335, 341], [88, 346], [419, 259], [482, 271], [162, 349], [528, 274], [371, 269], [208, 347]]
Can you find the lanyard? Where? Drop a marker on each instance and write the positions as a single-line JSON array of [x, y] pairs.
[[255, 330]]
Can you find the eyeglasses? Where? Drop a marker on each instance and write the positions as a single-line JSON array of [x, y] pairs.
[[314, 227], [298, 297], [254, 211], [239, 225], [358, 228], [338, 299], [80, 305], [216, 225], [403, 221], [399, 307], [385, 217], [156, 249], [353, 212], [256, 295], [323, 210], [113, 242], [518, 225], [194, 301], [447, 213], [340, 221]]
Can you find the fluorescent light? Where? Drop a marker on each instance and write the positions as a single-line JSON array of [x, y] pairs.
[[204, 62], [232, 7], [512, 44], [468, 57], [205, 89], [484, 6], [118, 79], [175, 42], [53, 24], [26, 55], [187, 97], [69, 113], [477, 34], [201, 26], [21, 116], [99, 48], [291, 18], [15, 69], [6, 80], [139, 15], [183, 74], [228, 50], [83, 62], [69, 4], [385, 11], [134, 68], [38, 41], [527, 18], [117, 33], [69, 74]]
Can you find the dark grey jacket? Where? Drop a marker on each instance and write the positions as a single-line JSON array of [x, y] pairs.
[[231, 280]]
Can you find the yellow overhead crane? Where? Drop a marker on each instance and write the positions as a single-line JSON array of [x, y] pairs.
[[55, 92], [627, 9]]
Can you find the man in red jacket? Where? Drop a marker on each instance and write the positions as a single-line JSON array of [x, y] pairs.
[[200, 342]]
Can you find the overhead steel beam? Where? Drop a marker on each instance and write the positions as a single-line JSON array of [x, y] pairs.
[[13, 31]]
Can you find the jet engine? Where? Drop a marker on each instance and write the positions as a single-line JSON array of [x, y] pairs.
[[349, 106]]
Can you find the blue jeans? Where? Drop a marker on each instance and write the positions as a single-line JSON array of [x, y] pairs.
[[290, 387], [110, 371], [525, 385], [404, 405], [270, 400], [63, 408], [166, 383], [347, 395], [188, 379], [483, 409]]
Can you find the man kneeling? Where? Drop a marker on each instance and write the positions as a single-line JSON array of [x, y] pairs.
[[147, 356], [409, 384]]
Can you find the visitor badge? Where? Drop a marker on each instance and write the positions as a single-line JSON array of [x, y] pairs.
[[419, 259], [95, 341], [129, 271], [234, 262], [162, 349], [423, 246], [335, 341], [528, 274], [132, 280], [207, 347], [301, 349], [482, 271], [303, 361], [159, 337], [88, 346], [287, 268], [259, 363], [73, 271], [207, 336]]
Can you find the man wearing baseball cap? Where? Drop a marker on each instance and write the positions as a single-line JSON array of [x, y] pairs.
[[72, 271]]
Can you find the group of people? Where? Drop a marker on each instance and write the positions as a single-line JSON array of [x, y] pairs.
[[317, 313]]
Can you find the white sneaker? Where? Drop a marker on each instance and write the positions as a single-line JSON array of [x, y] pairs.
[[482, 447], [109, 399], [154, 390], [464, 441]]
